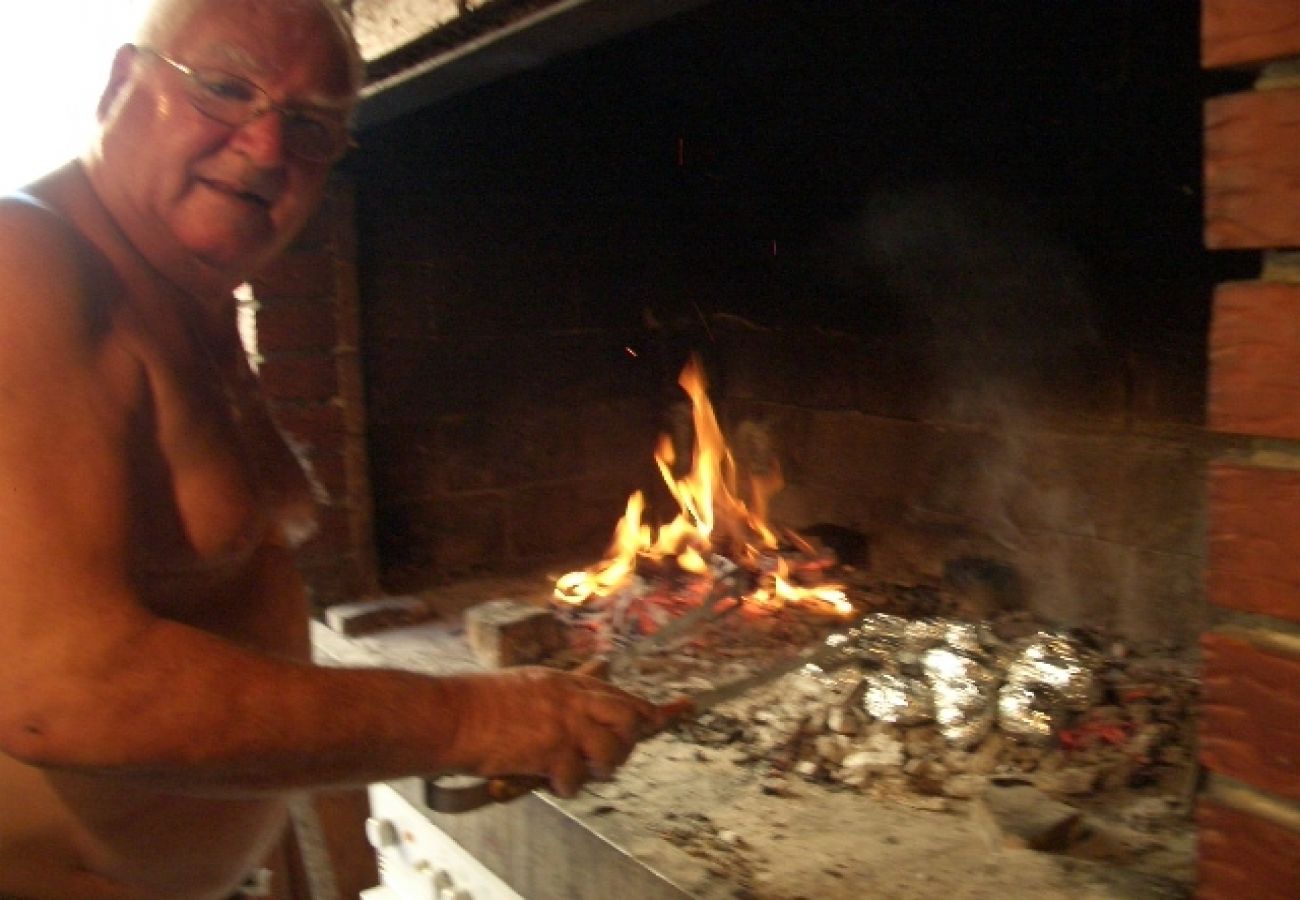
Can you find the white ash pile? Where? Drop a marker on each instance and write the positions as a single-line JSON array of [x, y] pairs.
[[934, 710]]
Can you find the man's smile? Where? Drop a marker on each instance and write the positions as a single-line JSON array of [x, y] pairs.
[[248, 195]]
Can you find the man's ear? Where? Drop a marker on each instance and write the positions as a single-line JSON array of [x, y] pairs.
[[119, 75]]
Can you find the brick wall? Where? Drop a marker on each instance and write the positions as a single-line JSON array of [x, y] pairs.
[[1249, 812], [1085, 476], [306, 333], [507, 422]]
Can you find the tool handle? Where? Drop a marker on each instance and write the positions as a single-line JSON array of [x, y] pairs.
[[512, 787], [505, 788]]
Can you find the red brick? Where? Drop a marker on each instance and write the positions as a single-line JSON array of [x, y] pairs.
[[316, 233], [1235, 32], [338, 579], [1252, 170], [1250, 714], [1254, 540], [552, 521], [1243, 857], [313, 424], [346, 305], [329, 467], [333, 538], [420, 542], [300, 325], [352, 387], [339, 213], [296, 276], [1255, 359], [299, 377], [331, 218]]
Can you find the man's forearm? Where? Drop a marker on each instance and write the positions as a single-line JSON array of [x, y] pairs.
[[192, 712]]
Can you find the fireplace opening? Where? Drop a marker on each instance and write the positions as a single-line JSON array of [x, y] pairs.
[[943, 262], [947, 263]]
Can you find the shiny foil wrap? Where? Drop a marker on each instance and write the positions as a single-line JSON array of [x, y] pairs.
[[922, 634], [840, 675], [963, 689], [961, 677], [1050, 677], [966, 637], [878, 638], [899, 699], [929, 670]]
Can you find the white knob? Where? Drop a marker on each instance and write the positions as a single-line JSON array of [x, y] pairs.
[[381, 833]]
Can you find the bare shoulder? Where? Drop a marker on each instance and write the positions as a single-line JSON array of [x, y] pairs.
[[55, 287]]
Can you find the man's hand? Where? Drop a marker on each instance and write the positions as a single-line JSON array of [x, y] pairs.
[[568, 727]]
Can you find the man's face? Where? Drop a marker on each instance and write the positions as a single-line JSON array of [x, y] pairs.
[[229, 195]]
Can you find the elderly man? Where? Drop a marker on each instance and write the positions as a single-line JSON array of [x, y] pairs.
[[157, 703]]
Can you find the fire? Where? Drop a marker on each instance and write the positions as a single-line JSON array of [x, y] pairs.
[[719, 525]]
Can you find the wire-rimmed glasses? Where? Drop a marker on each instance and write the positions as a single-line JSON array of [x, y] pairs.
[[235, 101]]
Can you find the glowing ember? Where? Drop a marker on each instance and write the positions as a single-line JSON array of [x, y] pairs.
[[719, 526]]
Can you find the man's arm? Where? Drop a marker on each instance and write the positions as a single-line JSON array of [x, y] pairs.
[[95, 683]]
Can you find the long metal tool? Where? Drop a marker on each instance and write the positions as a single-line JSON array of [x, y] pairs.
[[464, 793], [726, 587], [461, 793]]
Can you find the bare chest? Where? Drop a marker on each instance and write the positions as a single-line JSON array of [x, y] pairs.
[[215, 483]]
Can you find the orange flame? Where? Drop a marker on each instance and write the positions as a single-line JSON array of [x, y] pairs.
[[713, 518]]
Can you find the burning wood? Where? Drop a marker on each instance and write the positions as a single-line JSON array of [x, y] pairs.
[[650, 574]]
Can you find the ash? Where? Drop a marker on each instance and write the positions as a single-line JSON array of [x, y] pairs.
[[1088, 790]]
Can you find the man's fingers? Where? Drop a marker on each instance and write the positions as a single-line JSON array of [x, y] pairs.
[[567, 775], [635, 719], [670, 713], [599, 725], [596, 667], [604, 752]]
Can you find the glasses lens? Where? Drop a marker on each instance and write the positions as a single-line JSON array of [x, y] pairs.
[[223, 96], [312, 139]]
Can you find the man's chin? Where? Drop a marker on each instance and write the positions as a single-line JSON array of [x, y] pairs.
[[241, 256], [231, 269], [215, 237]]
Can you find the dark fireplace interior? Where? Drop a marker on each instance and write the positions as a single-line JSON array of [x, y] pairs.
[[944, 261]]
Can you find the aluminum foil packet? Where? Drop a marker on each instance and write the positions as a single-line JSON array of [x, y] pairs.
[[877, 638], [963, 687], [960, 676], [898, 699], [937, 673], [841, 676], [1050, 677]]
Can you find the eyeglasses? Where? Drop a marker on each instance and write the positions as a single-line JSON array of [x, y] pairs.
[[236, 101]]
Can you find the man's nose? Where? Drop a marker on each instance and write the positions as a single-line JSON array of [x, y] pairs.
[[261, 138]]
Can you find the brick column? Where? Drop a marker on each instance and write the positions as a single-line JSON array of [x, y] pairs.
[[1249, 810], [306, 319]]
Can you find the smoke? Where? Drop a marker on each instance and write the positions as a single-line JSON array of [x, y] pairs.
[[999, 295], [1003, 307]]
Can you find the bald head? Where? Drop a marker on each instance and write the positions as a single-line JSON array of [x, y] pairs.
[[164, 19]]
